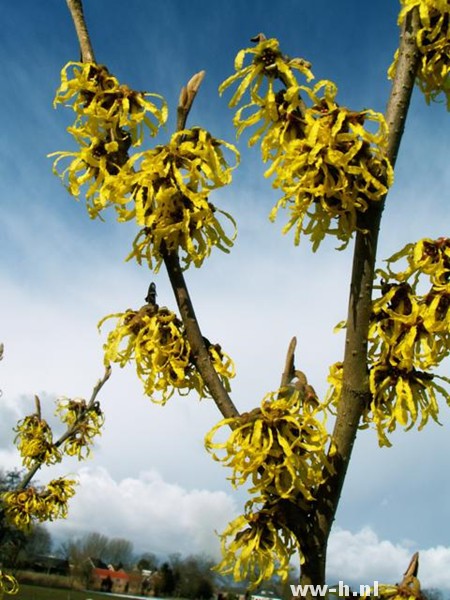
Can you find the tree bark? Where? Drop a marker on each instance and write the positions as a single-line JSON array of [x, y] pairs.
[[355, 390]]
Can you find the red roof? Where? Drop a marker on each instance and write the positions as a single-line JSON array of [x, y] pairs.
[[103, 573]]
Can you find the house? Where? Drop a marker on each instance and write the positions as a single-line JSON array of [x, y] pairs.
[[108, 580]]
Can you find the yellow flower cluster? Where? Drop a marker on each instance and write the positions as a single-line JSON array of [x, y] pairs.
[[327, 164], [281, 447], [170, 192], [84, 424], [408, 589], [433, 42], [268, 66], [409, 336], [34, 441], [154, 338], [256, 546], [329, 175], [164, 190], [8, 584], [22, 507], [103, 105], [110, 119]]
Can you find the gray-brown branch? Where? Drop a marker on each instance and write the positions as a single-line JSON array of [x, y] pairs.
[[355, 390], [76, 10], [200, 353]]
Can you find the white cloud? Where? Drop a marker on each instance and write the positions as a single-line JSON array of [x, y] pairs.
[[155, 515], [164, 517], [362, 558]]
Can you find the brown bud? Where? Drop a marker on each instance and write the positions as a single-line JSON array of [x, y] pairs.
[[260, 37], [183, 99], [194, 83]]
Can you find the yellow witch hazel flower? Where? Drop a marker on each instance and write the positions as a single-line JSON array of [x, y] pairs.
[[281, 447], [165, 190], [171, 191], [426, 257], [103, 105], [154, 338], [268, 64], [401, 397], [104, 166], [327, 164], [278, 109], [110, 119], [84, 424], [333, 170], [433, 42], [256, 546], [277, 103], [34, 441], [22, 507], [8, 584], [409, 335]]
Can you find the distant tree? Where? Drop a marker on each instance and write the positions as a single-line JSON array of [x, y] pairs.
[[118, 551], [204, 589], [38, 542], [147, 562], [166, 581], [432, 594], [94, 544], [9, 480], [80, 551], [195, 577]]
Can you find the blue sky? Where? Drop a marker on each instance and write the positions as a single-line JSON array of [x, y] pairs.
[[61, 272]]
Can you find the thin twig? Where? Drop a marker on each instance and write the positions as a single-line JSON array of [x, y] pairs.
[[98, 386], [200, 354], [70, 430], [76, 10]]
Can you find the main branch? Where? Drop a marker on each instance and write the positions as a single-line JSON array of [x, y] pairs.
[[355, 390]]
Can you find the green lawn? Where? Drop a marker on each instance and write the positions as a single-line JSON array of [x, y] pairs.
[[32, 592]]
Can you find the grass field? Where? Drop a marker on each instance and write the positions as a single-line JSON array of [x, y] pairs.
[[32, 592]]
